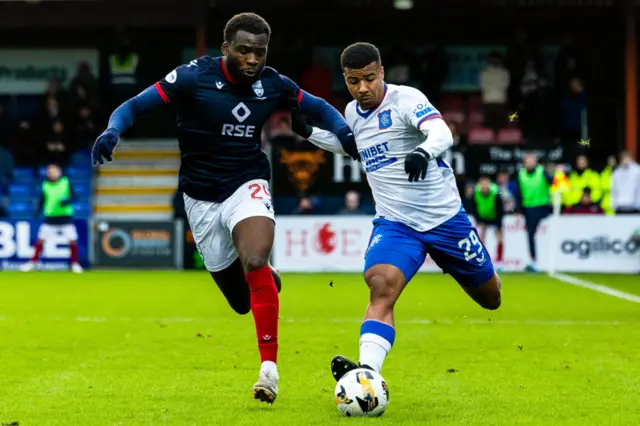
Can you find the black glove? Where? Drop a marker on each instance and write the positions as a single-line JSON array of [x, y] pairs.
[[299, 124], [289, 100], [349, 146], [416, 164]]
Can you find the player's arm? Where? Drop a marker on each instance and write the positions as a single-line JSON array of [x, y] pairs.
[[72, 197], [416, 111], [327, 116], [178, 84], [321, 138]]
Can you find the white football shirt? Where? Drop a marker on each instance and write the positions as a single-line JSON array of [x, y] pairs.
[[385, 136]]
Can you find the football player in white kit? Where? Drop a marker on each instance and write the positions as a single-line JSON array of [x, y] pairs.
[[400, 138]]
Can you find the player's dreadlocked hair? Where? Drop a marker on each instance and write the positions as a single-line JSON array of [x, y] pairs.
[[249, 22], [359, 55]]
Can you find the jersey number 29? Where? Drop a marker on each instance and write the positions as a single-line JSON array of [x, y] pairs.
[[466, 245]]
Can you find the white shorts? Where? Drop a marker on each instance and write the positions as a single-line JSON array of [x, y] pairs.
[[212, 223], [67, 231]]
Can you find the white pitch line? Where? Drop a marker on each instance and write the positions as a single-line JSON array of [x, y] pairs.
[[596, 287]]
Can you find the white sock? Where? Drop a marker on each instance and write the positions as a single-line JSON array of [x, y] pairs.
[[376, 340], [269, 366]]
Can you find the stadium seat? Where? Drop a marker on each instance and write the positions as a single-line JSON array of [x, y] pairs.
[[482, 136], [450, 103], [509, 136], [82, 190], [20, 191], [78, 174], [20, 210], [81, 160], [82, 209], [23, 174], [453, 116], [474, 103], [42, 172]]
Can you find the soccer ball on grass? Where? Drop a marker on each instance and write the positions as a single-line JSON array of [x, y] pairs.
[[362, 393]]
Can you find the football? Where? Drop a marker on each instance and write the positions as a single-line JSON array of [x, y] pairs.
[[362, 393]]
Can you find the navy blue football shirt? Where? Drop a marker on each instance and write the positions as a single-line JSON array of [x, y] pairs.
[[220, 124]]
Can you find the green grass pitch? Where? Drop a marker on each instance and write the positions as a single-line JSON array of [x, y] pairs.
[[163, 348]]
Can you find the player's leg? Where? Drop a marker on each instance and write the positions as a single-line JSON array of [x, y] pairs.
[[500, 244], [482, 229], [215, 245], [232, 283], [394, 255], [532, 217], [249, 216], [457, 249], [71, 233], [43, 232]]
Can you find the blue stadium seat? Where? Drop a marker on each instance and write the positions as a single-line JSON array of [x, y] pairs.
[[42, 172], [82, 190], [20, 210], [82, 209], [76, 174], [23, 174], [20, 191], [81, 160]]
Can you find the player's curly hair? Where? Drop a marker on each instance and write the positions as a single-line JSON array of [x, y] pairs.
[[359, 55], [249, 22]]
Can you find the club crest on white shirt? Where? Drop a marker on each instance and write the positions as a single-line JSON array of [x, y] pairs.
[[384, 119]]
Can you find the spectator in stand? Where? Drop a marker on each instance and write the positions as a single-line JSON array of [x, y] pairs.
[[580, 178], [516, 61], [306, 206], [494, 82], [85, 131], [317, 78], [572, 107], [52, 112], [85, 80], [467, 198], [398, 68], [56, 145], [56, 92], [625, 186], [530, 78], [433, 66], [539, 115], [568, 64], [506, 192], [585, 205], [351, 204], [606, 177], [24, 144]]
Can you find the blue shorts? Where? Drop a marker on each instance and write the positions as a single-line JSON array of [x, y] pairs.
[[454, 246]]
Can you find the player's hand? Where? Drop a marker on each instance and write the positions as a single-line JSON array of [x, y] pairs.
[[349, 146], [416, 163], [299, 124], [289, 99], [104, 146]]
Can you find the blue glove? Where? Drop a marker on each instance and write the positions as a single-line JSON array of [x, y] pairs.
[[104, 146]]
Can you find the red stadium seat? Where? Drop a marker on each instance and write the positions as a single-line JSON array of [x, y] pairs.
[[450, 103], [482, 136], [510, 136], [474, 103], [453, 116], [475, 119]]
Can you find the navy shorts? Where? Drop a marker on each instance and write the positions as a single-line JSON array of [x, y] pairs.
[[454, 246]]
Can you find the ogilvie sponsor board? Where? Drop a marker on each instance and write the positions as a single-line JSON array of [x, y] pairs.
[[137, 244], [334, 243]]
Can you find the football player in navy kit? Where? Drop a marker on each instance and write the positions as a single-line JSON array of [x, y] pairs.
[[222, 104]]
